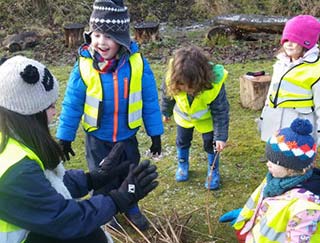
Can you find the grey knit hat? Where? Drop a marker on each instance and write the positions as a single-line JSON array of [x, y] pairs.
[[26, 86], [111, 17]]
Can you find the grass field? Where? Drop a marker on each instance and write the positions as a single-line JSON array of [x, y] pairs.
[[240, 166]]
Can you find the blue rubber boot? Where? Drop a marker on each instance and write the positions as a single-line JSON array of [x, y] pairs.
[[214, 183], [182, 173]]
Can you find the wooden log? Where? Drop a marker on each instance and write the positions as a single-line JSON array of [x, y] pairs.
[[253, 91], [240, 24], [73, 34], [146, 31], [18, 42]]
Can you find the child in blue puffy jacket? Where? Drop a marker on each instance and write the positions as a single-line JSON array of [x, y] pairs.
[[113, 92]]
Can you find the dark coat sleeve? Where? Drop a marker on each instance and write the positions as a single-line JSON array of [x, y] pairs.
[[76, 182], [28, 200], [167, 102], [220, 115]]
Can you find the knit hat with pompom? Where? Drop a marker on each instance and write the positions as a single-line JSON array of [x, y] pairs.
[[293, 147], [26, 86]]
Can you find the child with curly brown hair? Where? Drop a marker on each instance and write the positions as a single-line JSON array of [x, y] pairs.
[[195, 94]]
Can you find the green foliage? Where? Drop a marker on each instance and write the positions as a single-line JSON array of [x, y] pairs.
[[22, 15], [220, 40], [293, 7]]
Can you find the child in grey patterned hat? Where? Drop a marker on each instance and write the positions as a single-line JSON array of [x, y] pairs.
[[38, 197], [111, 90]]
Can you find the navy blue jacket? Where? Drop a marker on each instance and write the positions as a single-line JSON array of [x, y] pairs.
[[28, 200]]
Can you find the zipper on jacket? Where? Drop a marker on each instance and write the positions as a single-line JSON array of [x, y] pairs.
[[125, 88], [116, 105]]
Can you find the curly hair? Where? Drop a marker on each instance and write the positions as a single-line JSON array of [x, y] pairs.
[[189, 67]]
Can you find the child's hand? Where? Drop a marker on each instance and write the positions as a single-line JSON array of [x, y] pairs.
[[155, 148], [166, 119], [220, 146]]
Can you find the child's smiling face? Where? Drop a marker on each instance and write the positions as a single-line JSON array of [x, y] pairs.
[[104, 45]]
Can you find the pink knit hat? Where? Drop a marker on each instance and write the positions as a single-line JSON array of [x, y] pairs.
[[302, 29]]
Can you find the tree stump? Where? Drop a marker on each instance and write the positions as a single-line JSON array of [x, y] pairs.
[[73, 34], [146, 31], [253, 91]]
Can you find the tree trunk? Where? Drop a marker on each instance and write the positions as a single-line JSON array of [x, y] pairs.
[[253, 91], [21, 41], [239, 24]]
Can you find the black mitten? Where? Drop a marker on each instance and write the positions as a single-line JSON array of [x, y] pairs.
[[98, 178], [155, 148], [66, 148], [139, 182], [113, 158], [110, 168]]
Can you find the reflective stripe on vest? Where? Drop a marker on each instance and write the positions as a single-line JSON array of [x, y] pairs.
[[94, 94], [272, 226], [12, 154], [17, 236], [295, 87], [248, 209], [135, 93], [197, 115]]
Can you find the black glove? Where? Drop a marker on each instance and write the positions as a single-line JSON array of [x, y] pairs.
[[66, 148], [109, 168], [155, 148], [139, 182]]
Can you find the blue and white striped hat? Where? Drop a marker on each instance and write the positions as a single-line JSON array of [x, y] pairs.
[[293, 147]]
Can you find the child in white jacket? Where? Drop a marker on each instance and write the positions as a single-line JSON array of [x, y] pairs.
[[295, 87]]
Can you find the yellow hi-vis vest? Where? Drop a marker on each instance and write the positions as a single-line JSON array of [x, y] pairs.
[[272, 226], [295, 88], [13, 153], [198, 114], [94, 94]]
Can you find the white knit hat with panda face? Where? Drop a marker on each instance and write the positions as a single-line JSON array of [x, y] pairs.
[[26, 86]]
